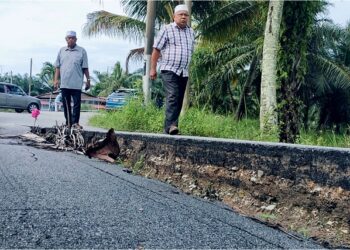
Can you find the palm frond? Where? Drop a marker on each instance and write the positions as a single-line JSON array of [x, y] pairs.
[[325, 38], [138, 10], [228, 71], [203, 9], [228, 20], [223, 54], [337, 75], [106, 23], [135, 55]]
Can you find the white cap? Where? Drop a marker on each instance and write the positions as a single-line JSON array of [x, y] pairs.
[[181, 7], [71, 33]]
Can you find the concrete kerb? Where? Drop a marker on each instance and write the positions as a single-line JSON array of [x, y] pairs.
[[322, 165]]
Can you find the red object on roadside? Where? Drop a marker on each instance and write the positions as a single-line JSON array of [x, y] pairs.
[[35, 113]]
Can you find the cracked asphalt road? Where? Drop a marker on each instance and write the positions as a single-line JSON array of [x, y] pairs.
[[19, 123], [56, 200]]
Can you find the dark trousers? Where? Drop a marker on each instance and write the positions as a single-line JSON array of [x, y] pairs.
[[67, 96], [175, 87]]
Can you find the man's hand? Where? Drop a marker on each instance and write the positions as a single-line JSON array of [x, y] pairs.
[[154, 59], [153, 74], [87, 84], [55, 84]]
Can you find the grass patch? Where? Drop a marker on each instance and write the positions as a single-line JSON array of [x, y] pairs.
[[138, 165], [304, 232], [324, 138], [202, 123], [133, 117], [266, 216], [137, 117]]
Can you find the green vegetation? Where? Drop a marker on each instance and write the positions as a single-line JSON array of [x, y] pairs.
[[313, 72], [41, 83], [133, 117], [88, 107], [266, 216], [324, 138], [140, 118], [138, 165], [106, 83], [304, 232]]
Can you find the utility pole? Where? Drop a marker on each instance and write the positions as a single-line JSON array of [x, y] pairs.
[[186, 103], [11, 76], [150, 20], [30, 76]]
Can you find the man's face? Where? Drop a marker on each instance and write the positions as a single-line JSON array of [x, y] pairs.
[[181, 18], [71, 41]]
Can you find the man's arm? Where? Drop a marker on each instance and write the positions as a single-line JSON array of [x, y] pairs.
[[87, 75], [57, 76], [154, 59]]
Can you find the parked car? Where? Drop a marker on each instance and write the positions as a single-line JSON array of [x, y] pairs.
[[119, 98], [13, 97]]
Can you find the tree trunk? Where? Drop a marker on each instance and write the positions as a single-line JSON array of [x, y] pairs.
[[293, 66], [268, 102], [150, 20], [185, 103]]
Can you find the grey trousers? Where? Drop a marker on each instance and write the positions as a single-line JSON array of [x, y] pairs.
[[175, 87]]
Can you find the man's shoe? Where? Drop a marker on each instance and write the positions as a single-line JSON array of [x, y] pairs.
[[173, 130]]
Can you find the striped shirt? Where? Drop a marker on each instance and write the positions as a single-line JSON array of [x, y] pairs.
[[176, 46]]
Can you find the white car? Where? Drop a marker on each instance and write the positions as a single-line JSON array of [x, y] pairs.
[[13, 97]]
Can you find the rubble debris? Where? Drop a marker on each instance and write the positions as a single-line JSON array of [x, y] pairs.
[[60, 137], [254, 179], [260, 173], [33, 137], [69, 138], [269, 208], [316, 190]]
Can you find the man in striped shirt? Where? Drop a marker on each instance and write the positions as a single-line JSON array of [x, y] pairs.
[[174, 47]]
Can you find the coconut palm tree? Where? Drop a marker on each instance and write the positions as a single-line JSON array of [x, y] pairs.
[[47, 74], [107, 83], [215, 62], [326, 92], [131, 27], [298, 22], [113, 25], [268, 99], [226, 51]]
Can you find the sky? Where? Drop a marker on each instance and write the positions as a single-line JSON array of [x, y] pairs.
[[36, 29]]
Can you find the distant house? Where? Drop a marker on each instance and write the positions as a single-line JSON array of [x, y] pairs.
[[88, 102]]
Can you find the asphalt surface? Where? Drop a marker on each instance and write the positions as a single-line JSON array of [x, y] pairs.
[[19, 123], [54, 199]]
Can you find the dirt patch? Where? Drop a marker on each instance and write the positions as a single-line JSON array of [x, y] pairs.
[[303, 208]]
